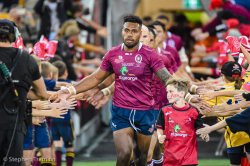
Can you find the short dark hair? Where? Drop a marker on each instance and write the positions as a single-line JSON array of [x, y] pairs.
[[158, 23], [133, 19], [77, 8], [7, 30], [61, 66], [55, 58], [147, 18], [152, 30], [163, 17]]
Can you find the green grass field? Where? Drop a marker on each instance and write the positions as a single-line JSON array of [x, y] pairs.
[[211, 162]]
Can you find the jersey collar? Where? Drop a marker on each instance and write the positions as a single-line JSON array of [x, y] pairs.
[[140, 46]]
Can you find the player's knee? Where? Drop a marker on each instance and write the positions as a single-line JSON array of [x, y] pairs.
[[46, 152], [70, 149]]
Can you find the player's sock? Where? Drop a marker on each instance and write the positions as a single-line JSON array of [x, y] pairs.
[[158, 162], [35, 161], [46, 163], [58, 157], [244, 161], [69, 158], [150, 163]]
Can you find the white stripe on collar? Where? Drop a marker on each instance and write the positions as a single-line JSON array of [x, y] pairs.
[[158, 49], [169, 34], [140, 46], [164, 44]]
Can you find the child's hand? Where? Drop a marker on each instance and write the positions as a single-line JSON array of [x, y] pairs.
[[37, 120], [204, 131], [41, 105], [205, 137], [161, 138], [59, 112]]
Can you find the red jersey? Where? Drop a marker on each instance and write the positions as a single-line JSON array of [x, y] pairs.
[[179, 125]]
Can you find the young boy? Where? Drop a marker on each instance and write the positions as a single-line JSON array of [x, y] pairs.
[[62, 128], [176, 127]]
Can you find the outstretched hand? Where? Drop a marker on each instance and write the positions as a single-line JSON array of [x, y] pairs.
[[68, 104], [203, 107], [205, 130], [59, 112]]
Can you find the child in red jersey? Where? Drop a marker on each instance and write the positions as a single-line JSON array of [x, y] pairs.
[[176, 127]]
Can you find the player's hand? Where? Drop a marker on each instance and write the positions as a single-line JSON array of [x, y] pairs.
[[78, 96], [41, 105], [161, 138], [59, 112], [62, 95], [203, 107], [205, 130], [96, 98], [90, 93], [102, 102], [37, 120], [196, 99], [200, 90]]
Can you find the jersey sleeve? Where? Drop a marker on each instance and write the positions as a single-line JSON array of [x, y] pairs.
[[50, 84], [106, 64], [240, 122], [167, 63], [161, 121], [33, 68], [156, 62], [199, 122]]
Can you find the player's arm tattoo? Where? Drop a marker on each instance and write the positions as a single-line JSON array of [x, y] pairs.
[[163, 74]]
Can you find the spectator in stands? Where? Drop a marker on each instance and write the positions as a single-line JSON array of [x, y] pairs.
[[53, 13]]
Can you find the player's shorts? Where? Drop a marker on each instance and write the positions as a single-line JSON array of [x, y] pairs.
[[236, 153], [142, 121], [42, 137], [28, 138], [63, 129], [156, 112]]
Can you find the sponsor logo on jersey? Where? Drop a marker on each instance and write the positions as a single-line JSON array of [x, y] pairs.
[[124, 70], [177, 128], [119, 59], [125, 76]]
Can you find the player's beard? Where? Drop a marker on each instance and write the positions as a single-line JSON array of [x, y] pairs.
[[131, 45]]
